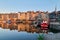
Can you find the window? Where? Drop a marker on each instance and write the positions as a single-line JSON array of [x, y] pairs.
[[14, 16], [0, 16]]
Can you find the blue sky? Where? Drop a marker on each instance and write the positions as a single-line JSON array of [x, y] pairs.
[[27, 5]]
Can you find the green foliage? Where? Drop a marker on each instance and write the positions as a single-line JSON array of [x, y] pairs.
[[40, 37]]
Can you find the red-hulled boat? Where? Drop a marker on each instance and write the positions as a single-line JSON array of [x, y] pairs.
[[44, 25]]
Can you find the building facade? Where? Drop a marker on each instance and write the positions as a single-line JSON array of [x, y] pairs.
[[22, 16]]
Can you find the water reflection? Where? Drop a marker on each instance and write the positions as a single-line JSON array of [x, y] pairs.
[[23, 32], [20, 27], [25, 27]]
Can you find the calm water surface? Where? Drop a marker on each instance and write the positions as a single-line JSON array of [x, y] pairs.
[[23, 32], [6, 34], [17, 32]]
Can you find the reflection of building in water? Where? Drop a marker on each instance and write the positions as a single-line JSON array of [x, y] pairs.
[[20, 27], [8, 26]]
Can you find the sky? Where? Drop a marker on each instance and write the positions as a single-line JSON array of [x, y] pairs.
[[28, 5]]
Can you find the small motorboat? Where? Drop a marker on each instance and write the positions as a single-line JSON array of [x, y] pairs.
[[44, 25]]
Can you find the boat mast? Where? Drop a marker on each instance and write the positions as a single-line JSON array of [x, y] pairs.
[[56, 12]]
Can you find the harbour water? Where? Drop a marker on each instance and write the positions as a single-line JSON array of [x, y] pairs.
[[6, 34], [24, 32]]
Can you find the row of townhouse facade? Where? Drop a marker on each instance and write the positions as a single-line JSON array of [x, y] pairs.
[[23, 16]]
